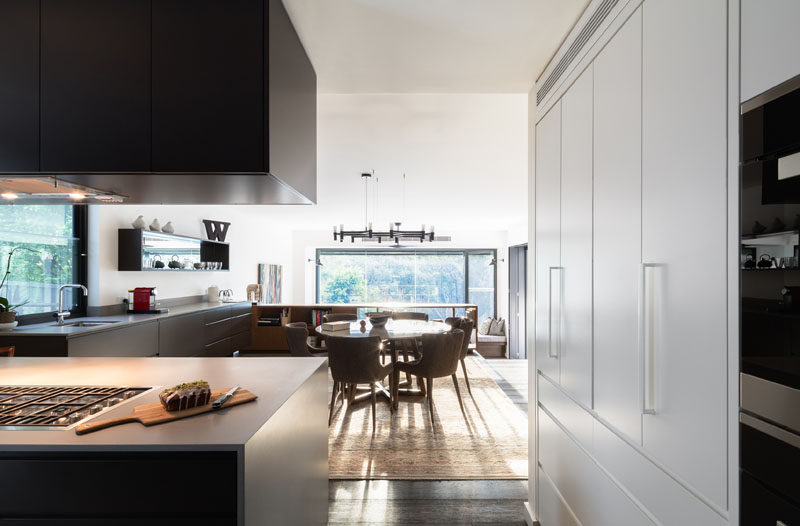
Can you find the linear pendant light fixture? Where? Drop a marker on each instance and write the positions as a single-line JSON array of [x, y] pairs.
[[395, 232]]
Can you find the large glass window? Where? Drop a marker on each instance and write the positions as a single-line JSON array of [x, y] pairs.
[[408, 276], [48, 240]]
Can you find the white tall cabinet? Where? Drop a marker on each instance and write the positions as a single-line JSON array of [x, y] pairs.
[[684, 216], [618, 228], [576, 238], [548, 241], [770, 40], [631, 284]]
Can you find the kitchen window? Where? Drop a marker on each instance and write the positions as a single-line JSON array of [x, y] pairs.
[[409, 276], [51, 253]]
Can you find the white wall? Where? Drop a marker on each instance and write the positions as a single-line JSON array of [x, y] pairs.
[[464, 155], [256, 235]]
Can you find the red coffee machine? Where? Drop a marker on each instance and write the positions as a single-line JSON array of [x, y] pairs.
[[142, 300]]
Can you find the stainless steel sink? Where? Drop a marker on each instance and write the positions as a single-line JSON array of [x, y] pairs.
[[87, 323]]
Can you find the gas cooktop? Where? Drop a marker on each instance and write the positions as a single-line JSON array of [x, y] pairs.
[[38, 407]]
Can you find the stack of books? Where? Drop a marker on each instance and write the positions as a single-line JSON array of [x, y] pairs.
[[317, 315], [336, 326]]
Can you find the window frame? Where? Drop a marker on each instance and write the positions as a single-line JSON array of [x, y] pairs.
[[80, 231], [464, 252]]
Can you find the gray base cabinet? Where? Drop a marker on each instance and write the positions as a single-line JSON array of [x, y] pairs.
[[138, 340], [214, 333]]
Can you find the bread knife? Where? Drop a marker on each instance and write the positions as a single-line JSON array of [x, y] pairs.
[[224, 398]]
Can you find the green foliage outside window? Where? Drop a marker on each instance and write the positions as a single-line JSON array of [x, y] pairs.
[[46, 231], [407, 277]]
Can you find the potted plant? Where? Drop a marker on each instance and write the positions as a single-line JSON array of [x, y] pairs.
[[8, 313]]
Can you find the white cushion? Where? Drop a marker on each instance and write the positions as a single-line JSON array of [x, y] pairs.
[[488, 338], [485, 325], [498, 327]]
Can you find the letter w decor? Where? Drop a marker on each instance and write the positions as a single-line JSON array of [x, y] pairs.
[[216, 230]]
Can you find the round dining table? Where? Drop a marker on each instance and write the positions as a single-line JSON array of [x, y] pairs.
[[392, 332]]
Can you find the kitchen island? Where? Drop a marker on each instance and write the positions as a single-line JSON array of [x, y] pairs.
[[264, 462]]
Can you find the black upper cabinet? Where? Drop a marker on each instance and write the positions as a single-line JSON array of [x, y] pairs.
[[160, 101], [208, 86], [95, 85], [19, 86]]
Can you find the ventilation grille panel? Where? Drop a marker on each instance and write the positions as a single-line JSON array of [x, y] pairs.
[[583, 37]]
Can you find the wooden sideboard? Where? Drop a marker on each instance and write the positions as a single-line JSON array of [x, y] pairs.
[[273, 338]]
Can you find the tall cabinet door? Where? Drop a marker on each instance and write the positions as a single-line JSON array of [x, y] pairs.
[[208, 86], [617, 228], [684, 222], [576, 237], [548, 233], [95, 85], [19, 86]]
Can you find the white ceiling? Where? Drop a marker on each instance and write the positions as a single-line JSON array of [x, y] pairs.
[[431, 46]]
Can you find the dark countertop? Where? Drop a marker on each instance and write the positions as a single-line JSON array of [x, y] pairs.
[[120, 320], [274, 380]]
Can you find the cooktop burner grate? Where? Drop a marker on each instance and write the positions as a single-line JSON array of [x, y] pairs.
[[57, 407]]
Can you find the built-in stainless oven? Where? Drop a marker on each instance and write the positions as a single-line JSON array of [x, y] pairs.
[[770, 308]]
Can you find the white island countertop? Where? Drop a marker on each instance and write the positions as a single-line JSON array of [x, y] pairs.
[[273, 380]]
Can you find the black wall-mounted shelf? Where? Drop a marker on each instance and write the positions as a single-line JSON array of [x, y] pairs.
[[137, 246]]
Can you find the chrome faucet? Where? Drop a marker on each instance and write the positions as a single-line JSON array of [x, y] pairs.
[[61, 314]]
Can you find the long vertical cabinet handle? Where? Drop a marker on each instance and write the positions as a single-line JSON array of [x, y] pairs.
[[554, 336], [647, 337]]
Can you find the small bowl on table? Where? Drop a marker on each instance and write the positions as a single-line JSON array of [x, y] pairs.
[[378, 319]]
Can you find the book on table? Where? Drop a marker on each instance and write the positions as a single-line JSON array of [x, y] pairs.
[[336, 326]]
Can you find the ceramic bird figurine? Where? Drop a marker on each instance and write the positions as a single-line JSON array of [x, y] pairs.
[[155, 226], [139, 223], [168, 228]]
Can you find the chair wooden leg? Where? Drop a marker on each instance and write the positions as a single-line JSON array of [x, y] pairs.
[[421, 385], [372, 388], [466, 378], [458, 392], [333, 401], [430, 398]]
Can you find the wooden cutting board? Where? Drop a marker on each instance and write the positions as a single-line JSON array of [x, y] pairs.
[[152, 414]]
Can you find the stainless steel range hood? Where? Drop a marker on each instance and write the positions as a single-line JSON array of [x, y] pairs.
[[49, 189], [149, 188]]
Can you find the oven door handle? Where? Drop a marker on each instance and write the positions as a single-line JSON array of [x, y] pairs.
[[768, 429]]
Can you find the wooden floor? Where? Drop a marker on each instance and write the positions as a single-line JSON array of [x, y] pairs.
[[452, 502]]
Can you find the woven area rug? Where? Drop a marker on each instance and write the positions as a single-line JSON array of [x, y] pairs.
[[487, 441]]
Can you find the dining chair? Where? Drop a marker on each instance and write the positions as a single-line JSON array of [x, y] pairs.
[[440, 353], [406, 346], [355, 361], [339, 316], [7, 351], [465, 324], [297, 338]]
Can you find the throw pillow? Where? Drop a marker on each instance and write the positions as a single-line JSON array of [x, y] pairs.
[[498, 327], [484, 326]]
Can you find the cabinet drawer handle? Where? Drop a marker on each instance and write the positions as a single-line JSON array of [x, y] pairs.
[[647, 337], [554, 322]]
